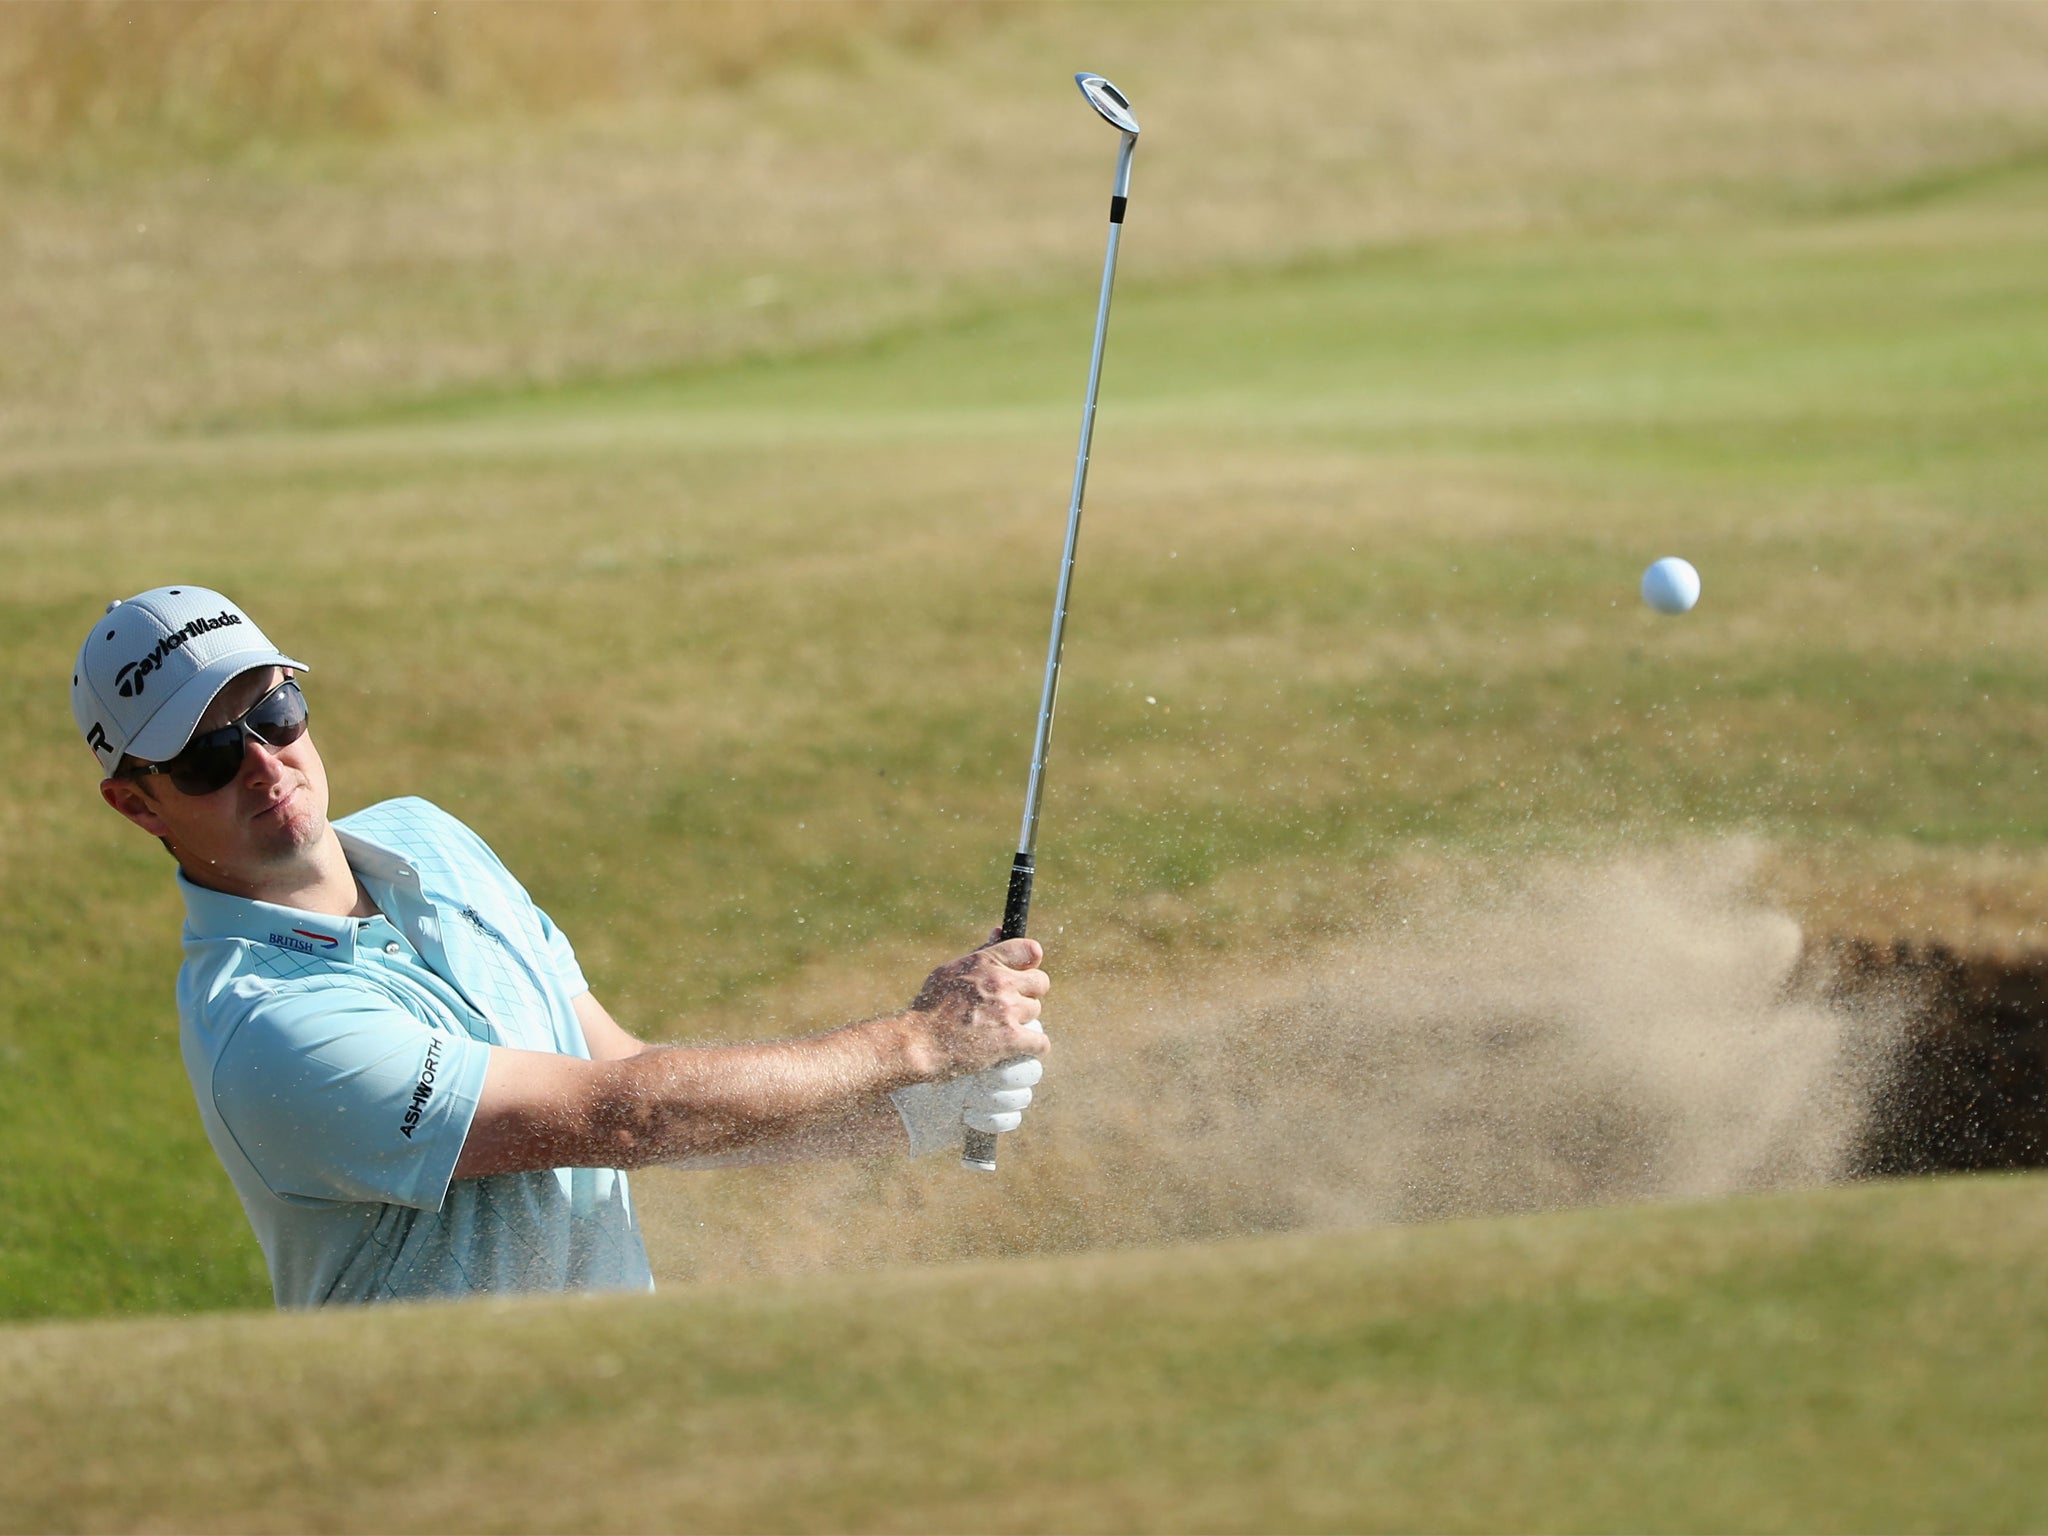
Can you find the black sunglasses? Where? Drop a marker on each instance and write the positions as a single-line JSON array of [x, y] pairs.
[[210, 760]]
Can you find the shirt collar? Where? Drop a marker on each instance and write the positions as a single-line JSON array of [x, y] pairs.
[[372, 861], [211, 914]]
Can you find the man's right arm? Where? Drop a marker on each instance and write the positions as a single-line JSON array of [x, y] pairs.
[[683, 1103]]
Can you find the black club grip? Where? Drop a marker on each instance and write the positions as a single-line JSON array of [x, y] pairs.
[[978, 1148]]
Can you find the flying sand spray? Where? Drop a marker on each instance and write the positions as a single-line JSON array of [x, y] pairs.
[[979, 1150]]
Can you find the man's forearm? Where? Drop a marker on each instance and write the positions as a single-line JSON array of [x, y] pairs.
[[745, 1103], [871, 1129]]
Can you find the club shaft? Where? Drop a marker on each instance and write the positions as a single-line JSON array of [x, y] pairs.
[[1048, 699], [979, 1149]]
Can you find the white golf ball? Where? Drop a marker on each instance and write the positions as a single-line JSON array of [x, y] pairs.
[[1671, 585]]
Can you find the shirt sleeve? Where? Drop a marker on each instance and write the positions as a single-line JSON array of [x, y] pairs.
[[561, 958], [342, 1096]]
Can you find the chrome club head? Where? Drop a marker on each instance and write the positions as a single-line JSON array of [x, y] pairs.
[[1105, 98]]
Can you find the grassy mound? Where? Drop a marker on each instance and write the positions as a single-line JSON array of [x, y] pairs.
[[1847, 1360]]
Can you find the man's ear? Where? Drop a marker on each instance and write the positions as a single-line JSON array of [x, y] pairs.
[[127, 797]]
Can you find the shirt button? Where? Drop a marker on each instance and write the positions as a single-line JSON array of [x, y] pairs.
[[393, 948]]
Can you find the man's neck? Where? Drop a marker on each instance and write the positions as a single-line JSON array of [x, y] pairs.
[[321, 881]]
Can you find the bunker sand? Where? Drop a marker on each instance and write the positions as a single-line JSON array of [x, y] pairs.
[[1496, 1038]]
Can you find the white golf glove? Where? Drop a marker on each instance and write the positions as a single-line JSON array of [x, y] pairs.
[[935, 1114]]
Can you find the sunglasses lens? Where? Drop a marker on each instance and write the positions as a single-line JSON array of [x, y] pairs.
[[211, 761], [280, 719], [207, 763]]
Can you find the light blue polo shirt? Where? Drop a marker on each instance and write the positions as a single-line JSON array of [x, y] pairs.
[[337, 1062]]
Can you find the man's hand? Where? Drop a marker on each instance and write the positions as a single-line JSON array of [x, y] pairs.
[[978, 1011]]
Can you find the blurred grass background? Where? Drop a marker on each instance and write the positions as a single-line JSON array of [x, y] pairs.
[[654, 424]]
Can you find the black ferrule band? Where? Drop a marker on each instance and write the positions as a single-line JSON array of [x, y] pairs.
[[1116, 209]]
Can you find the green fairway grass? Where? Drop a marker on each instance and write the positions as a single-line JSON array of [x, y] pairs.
[[673, 488], [1849, 1360]]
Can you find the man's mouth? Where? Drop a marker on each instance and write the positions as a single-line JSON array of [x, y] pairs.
[[276, 807]]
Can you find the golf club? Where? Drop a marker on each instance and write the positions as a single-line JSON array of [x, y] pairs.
[[979, 1150]]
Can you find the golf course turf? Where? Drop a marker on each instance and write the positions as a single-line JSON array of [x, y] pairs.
[[668, 478]]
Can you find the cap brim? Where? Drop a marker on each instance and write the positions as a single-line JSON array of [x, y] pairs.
[[175, 721]]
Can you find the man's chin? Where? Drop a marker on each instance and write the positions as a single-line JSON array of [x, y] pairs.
[[302, 828], [288, 832]]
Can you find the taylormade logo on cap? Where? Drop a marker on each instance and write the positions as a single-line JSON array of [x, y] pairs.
[[131, 679], [150, 668]]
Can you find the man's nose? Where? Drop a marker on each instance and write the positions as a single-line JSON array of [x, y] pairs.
[[259, 758]]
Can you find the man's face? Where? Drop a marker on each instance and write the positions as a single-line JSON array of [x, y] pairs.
[[267, 818]]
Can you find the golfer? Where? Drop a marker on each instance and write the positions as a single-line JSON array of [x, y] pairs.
[[394, 1051]]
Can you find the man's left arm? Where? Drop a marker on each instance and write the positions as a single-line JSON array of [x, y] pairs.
[[871, 1129]]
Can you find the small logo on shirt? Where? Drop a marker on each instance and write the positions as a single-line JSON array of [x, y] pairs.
[[304, 942], [424, 1090], [476, 921]]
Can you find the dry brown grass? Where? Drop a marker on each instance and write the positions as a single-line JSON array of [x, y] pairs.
[[1991, 902], [205, 76], [501, 196]]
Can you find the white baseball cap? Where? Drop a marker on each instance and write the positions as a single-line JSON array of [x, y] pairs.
[[150, 668]]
